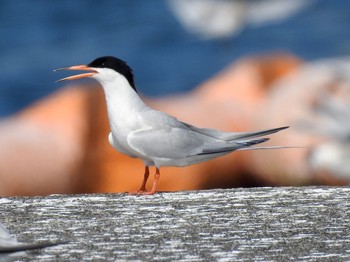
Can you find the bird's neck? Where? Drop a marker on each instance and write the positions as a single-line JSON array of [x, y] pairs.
[[122, 101]]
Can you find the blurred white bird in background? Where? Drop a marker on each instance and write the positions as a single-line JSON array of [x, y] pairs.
[[315, 100], [225, 18], [329, 118]]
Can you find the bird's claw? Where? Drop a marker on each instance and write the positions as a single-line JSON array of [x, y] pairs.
[[142, 192]]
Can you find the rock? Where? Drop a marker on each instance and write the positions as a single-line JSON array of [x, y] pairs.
[[242, 224], [314, 100], [42, 147]]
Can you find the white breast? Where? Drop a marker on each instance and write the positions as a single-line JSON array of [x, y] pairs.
[[119, 146], [124, 107]]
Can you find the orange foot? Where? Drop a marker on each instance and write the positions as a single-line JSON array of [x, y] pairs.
[[142, 192]]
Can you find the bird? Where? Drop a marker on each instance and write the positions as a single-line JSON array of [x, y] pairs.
[[157, 138], [220, 19], [10, 246]]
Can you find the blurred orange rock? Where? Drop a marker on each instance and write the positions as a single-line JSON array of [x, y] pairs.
[[60, 145], [42, 147], [314, 100]]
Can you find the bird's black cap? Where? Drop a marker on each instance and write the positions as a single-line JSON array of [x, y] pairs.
[[117, 65]]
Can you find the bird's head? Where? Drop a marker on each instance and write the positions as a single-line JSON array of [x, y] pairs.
[[103, 69]]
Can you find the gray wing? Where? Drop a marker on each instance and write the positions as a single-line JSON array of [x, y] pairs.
[[10, 244], [179, 143], [232, 136], [168, 138], [171, 143], [5, 237]]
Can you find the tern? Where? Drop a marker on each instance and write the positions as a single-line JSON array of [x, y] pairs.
[[9, 244], [155, 137]]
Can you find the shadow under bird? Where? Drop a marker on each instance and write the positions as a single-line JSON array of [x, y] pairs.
[[155, 137]]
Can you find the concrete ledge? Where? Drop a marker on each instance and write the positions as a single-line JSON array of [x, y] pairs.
[[243, 224]]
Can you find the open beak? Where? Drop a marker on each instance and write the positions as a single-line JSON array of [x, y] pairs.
[[80, 68]]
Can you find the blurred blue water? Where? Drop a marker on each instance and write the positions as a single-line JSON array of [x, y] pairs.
[[39, 36]]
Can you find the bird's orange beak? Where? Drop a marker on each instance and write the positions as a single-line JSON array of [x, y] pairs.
[[80, 68]]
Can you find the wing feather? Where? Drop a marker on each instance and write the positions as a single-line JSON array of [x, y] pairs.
[[174, 143]]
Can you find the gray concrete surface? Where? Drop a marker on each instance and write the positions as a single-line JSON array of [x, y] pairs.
[[243, 224]]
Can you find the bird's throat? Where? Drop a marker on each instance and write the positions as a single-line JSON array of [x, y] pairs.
[[122, 102]]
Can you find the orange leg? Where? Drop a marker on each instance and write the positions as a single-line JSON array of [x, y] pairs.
[[155, 183], [143, 185]]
